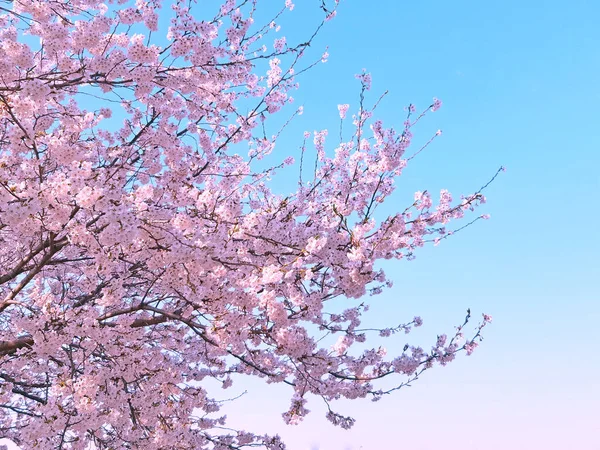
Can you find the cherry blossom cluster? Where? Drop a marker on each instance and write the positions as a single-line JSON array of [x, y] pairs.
[[143, 251]]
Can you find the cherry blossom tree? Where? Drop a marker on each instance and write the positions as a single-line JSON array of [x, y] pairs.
[[143, 251]]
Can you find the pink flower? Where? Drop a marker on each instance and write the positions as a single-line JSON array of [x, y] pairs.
[[106, 113], [342, 344], [343, 109], [470, 347], [315, 244], [441, 340], [272, 274], [365, 79], [279, 44], [161, 256]]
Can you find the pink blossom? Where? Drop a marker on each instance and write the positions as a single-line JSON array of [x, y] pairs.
[[315, 244], [470, 347], [343, 109], [365, 79], [149, 251], [279, 44], [331, 15]]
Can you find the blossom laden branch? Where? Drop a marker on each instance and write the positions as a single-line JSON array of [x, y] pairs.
[[143, 250]]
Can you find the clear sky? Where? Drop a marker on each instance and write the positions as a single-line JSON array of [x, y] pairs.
[[520, 86]]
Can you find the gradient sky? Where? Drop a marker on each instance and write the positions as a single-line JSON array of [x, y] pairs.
[[519, 82]]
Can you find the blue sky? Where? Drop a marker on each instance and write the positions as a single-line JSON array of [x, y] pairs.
[[519, 82]]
